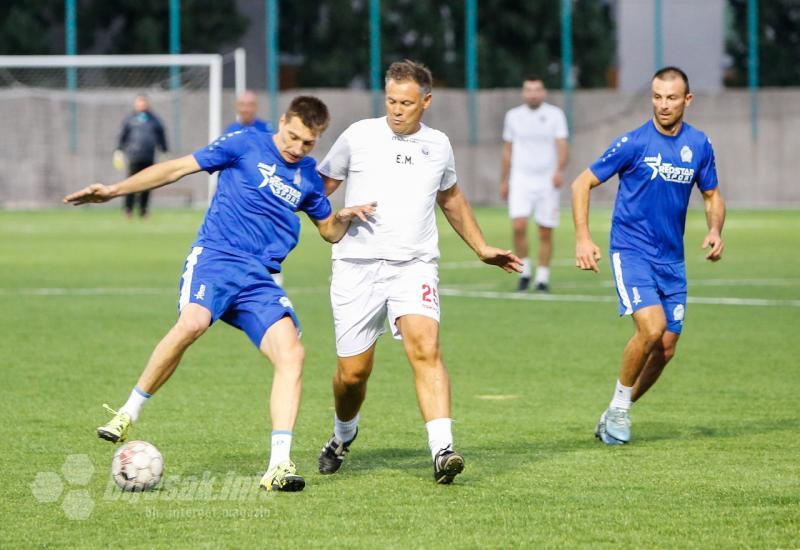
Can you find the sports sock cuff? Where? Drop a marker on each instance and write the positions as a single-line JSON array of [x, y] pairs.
[[281, 432], [141, 392]]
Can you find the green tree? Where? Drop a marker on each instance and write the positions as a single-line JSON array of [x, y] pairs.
[[779, 43], [329, 40], [27, 28], [119, 27]]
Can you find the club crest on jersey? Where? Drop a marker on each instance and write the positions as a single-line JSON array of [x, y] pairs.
[[668, 172], [686, 154], [277, 186]]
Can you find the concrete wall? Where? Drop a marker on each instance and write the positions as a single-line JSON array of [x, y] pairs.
[[692, 37], [37, 169]]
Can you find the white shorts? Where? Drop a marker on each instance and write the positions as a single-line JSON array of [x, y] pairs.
[[365, 292], [541, 200]]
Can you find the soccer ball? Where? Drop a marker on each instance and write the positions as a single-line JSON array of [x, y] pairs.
[[137, 466]]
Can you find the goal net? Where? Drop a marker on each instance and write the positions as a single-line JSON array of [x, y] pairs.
[[62, 117]]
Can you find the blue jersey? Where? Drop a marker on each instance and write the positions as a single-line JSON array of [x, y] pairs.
[[656, 176], [252, 213], [258, 124]]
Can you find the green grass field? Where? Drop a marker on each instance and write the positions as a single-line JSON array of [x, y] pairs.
[[85, 295]]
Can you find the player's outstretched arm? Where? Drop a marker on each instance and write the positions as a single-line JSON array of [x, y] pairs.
[[331, 185], [333, 228], [587, 254], [154, 176], [715, 218], [459, 214]]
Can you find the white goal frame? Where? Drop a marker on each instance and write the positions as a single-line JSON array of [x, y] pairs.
[[212, 61]]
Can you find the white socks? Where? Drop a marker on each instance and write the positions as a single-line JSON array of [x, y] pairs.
[[622, 397], [281, 445], [526, 268], [440, 435], [542, 273], [344, 431], [135, 403]]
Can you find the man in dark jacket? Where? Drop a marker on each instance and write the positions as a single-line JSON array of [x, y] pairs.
[[141, 133]]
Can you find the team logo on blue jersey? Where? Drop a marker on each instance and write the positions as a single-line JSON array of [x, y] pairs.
[[277, 186], [686, 154], [668, 172]]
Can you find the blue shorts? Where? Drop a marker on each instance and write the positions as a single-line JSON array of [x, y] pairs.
[[238, 290], [641, 283]]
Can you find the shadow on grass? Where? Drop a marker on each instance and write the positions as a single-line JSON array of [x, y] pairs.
[[662, 431]]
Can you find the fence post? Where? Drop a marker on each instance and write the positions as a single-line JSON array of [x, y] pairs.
[[375, 55], [566, 60], [174, 71], [471, 58], [272, 59], [71, 31], [752, 65]]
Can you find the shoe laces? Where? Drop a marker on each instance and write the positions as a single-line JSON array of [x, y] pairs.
[[618, 416]]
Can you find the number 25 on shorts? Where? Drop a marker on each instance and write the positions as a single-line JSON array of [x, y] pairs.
[[430, 295]]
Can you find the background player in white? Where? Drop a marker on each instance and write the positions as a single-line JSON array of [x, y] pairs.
[[535, 155], [388, 268]]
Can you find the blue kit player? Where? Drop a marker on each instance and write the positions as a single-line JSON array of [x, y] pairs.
[[246, 109], [250, 227], [658, 165]]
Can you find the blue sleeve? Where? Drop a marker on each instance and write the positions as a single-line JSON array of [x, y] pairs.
[[222, 153], [264, 126], [316, 204], [707, 171], [232, 127], [617, 158]]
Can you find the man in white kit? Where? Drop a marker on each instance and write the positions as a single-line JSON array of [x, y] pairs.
[[534, 157], [388, 266]]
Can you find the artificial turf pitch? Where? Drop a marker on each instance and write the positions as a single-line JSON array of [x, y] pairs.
[[85, 295]]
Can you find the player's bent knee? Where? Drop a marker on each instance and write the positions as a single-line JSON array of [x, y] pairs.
[[292, 355], [669, 353], [352, 377], [652, 333], [423, 353], [191, 327]]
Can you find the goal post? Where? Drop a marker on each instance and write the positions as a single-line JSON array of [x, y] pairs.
[[95, 83]]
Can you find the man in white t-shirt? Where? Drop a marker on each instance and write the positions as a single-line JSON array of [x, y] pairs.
[[534, 157], [387, 267]]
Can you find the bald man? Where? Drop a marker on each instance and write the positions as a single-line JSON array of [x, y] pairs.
[[246, 108]]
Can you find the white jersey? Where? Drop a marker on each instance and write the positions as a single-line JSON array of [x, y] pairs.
[[533, 134], [403, 174]]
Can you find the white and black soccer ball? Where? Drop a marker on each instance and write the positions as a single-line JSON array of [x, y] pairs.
[[137, 466]]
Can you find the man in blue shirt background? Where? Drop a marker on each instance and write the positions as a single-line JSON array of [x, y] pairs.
[[249, 228], [658, 164], [246, 109]]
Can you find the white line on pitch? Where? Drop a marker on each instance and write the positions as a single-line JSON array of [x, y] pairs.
[[103, 291], [476, 264], [485, 294]]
